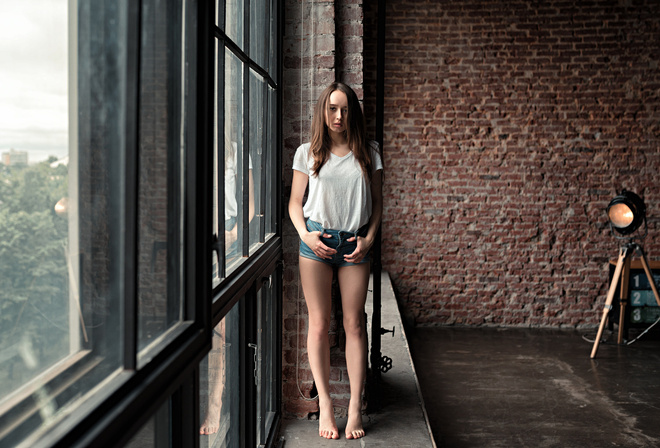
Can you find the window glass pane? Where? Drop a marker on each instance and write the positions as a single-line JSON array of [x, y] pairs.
[[271, 165], [267, 363], [273, 40], [145, 437], [36, 326], [258, 114], [234, 21], [233, 162], [161, 169], [156, 432], [259, 35], [220, 384], [62, 111], [218, 135]]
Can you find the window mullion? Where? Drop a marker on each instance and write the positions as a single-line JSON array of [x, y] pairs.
[[265, 151], [245, 166], [246, 135], [220, 110], [129, 298]]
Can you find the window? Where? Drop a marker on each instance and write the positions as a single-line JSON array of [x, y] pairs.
[[220, 385], [245, 148], [62, 213], [267, 364], [161, 169], [137, 152], [239, 380], [38, 322]]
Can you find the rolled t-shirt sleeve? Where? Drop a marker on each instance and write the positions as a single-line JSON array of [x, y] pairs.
[[376, 161], [300, 160]]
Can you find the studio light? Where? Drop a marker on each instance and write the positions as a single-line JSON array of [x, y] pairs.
[[626, 212]]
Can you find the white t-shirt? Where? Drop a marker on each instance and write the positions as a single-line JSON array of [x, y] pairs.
[[339, 197], [231, 177]]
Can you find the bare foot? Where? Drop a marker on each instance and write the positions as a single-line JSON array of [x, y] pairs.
[[354, 428], [212, 422], [327, 424]]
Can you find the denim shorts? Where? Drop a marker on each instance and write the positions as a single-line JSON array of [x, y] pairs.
[[232, 250], [336, 241]]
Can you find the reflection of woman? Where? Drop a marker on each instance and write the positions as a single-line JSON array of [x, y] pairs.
[[217, 380], [337, 227], [216, 357], [231, 203]]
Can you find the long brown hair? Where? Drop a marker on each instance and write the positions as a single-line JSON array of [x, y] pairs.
[[355, 131]]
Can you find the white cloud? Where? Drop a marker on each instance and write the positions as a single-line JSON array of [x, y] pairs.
[[33, 79]]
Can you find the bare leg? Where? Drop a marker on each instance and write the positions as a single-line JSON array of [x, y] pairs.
[[316, 279], [353, 283], [217, 384]]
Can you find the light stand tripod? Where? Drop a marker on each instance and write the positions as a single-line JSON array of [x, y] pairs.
[[622, 271]]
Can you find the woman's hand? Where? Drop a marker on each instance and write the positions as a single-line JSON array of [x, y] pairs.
[[313, 241], [361, 251]]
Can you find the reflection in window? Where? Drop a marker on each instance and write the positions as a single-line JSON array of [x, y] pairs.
[[270, 147], [258, 31], [244, 218], [257, 120], [267, 362], [272, 40], [161, 167], [234, 21], [219, 386], [233, 164], [245, 134], [228, 157]]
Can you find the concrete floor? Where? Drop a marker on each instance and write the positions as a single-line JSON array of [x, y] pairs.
[[499, 387], [488, 387]]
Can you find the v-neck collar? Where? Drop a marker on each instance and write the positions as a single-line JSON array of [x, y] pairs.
[[342, 157]]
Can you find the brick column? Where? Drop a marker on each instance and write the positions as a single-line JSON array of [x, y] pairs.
[[322, 42]]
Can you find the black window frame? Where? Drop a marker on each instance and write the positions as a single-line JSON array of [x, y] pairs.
[[171, 375], [240, 287]]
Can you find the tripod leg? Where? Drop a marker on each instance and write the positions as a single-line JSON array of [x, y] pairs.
[[623, 298], [649, 274], [623, 252]]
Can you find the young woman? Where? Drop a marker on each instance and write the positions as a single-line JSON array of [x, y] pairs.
[[337, 227]]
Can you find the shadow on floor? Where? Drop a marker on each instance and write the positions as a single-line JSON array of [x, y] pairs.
[[497, 387]]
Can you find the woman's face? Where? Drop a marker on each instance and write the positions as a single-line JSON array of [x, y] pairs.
[[336, 112]]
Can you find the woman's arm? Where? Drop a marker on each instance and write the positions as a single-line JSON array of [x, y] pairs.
[[231, 235], [298, 186], [251, 195], [377, 206], [312, 239], [364, 244]]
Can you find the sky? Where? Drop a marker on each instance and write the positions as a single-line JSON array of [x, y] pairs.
[[33, 77]]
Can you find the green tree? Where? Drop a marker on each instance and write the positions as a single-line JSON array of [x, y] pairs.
[[33, 270]]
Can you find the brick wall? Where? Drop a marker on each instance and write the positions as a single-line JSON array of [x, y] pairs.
[[509, 126]]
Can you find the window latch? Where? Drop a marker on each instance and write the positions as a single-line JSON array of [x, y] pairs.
[[255, 347]]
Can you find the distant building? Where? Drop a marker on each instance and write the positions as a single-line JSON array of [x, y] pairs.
[[13, 157]]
